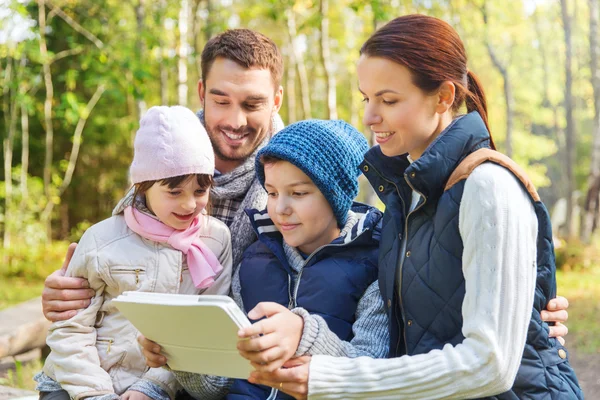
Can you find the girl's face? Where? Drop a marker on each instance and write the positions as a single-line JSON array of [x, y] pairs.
[[403, 118], [177, 207], [298, 208]]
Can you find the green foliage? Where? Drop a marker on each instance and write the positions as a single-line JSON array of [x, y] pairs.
[[582, 288], [32, 264], [22, 376]]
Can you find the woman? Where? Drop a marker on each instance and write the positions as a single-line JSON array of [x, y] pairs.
[[466, 261]]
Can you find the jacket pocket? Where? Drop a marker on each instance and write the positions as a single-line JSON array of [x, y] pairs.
[[110, 355], [127, 277]]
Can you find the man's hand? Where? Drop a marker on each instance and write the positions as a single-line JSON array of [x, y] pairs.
[[133, 395], [557, 313], [151, 350], [291, 379], [63, 296], [281, 332]]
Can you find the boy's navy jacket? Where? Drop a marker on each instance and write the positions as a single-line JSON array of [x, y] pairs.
[[434, 269], [331, 284]]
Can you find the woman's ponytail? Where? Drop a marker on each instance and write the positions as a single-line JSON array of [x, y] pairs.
[[475, 101]]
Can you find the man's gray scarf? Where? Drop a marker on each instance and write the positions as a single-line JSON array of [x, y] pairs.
[[234, 184]]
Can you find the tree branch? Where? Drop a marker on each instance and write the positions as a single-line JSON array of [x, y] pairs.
[[75, 25]]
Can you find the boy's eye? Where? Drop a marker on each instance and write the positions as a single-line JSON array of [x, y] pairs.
[[299, 193], [271, 194]]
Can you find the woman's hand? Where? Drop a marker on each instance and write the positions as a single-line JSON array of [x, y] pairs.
[[269, 343], [291, 379], [557, 312]]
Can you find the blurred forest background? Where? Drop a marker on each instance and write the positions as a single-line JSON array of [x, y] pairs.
[[75, 76]]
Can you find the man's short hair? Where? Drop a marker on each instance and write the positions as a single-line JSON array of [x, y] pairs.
[[247, 48]]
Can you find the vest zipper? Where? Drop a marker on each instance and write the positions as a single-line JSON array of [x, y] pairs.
[[419, 206], [400, 268]]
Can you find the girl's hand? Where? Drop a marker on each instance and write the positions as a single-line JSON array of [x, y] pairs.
[[281, 332], [133, 395], [291, 379], [151, 350]]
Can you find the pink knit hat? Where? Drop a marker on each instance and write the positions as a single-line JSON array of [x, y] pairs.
[[171, 142]]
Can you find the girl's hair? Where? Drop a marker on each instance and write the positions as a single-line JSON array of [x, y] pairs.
[[433, 52], [204, 181]]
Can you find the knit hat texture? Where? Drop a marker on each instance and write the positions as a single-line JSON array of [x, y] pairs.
[[171, 142], [328, 151]]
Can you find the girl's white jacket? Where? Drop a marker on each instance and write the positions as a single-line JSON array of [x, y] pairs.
[[96, 352]]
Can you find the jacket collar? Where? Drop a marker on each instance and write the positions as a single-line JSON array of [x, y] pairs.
[[429, 174], [368, 219]]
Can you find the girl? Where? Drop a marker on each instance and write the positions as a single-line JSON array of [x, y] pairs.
[[466, 259], [163, 242]]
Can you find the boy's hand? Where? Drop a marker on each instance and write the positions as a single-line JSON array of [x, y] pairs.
[[281, 332], [133, 395], [151, 351]]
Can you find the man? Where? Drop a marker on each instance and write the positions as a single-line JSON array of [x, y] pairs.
[[241, 94]]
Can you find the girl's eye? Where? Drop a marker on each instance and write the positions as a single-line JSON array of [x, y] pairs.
[[200, 191], [174, 193]]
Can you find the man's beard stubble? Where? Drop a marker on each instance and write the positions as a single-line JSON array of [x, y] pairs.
[[241, 156]]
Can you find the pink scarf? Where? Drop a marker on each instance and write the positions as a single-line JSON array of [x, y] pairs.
[[202, 262]]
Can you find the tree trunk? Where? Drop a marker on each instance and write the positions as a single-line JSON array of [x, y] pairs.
[[325, 55], [302, 75], [164, 73], [24, 153], [570, 131], [182, 89], [24, 140], [47, 112], [290, 84], [503, 70], [140, 47], [592, 201], [11, 114]]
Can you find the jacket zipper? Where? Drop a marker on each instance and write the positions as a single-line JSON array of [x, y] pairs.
[[109, 343], [135, 271]]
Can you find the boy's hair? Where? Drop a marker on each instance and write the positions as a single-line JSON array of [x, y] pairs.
[[204, 181], [245, 47], [269, 159]]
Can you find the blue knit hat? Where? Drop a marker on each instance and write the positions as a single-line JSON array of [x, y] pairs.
[[329, 152]]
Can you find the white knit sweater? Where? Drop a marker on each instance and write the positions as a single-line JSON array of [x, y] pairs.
[[498, 227]]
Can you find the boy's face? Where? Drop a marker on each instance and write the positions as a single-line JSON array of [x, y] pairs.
[[298, 208], [177, 207]]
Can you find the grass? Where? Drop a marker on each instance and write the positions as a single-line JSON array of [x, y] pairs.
[[16, 290], [22, 376], [582, 288]]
